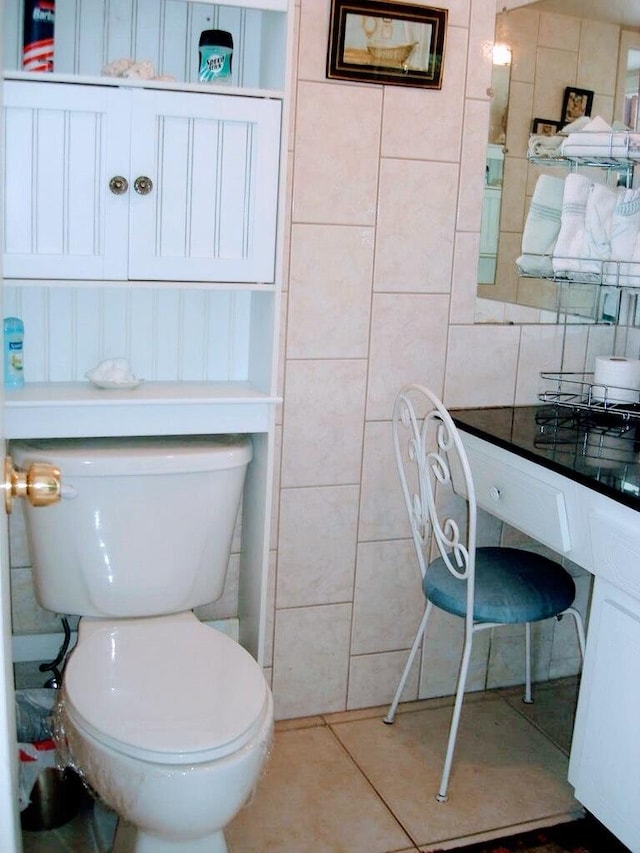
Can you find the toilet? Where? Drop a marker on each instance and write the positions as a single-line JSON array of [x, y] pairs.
[[168, 720]]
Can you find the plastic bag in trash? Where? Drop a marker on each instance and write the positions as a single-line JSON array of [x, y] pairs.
[[34, 758], [36, 749], [34, 709]]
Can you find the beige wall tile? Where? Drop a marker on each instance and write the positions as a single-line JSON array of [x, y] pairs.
[[481, 365], [521, 30], [382, 511], [316, 562], [323, 422], [337, 145], [26, 614], [373, 679], [559, 31], [311, 660], [388, 601], [426, 124], [330, 291], [599, 42], [555, 70], [314, 30], [474, 147], [402, 262], [464, 281], [540, 349], [408, 344]]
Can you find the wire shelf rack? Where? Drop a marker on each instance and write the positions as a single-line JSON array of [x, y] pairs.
[[579, 392]]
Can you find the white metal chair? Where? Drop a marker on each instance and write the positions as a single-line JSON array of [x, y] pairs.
[[487, 586]]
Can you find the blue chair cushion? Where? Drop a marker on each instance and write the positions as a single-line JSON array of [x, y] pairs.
[[512, 585]]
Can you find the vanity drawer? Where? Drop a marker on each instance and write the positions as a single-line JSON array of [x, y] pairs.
[[522, 500]]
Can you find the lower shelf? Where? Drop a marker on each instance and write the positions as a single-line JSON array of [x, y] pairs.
[[78, 409]]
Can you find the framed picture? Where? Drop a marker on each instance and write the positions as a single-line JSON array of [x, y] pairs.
[[576, 103], [397, 43], [545, 127]]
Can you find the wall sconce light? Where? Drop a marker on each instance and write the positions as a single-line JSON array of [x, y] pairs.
[[501, 54]]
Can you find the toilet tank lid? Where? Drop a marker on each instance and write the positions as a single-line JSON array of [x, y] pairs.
[[134, 455]]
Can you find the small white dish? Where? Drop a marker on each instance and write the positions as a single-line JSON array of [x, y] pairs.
[[109, 385]]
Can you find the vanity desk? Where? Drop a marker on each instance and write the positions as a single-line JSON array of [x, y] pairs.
[[573, 483]]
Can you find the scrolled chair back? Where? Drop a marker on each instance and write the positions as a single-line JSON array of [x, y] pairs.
[[432, 462]]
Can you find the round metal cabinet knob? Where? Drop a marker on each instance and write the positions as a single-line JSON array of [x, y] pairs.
[[118, 185], [40, 484], [143, 185]]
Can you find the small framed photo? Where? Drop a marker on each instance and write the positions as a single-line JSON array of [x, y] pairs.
[[400, 44], [575, 104], [545, 127]]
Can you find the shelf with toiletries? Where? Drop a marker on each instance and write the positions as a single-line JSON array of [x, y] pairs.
[[159, 49]]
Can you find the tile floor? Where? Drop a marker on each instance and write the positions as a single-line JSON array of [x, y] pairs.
[[347, 783]]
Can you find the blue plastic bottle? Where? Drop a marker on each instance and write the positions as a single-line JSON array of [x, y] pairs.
[[13, 343]]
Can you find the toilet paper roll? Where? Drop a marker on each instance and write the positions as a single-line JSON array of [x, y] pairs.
[[616, 379]]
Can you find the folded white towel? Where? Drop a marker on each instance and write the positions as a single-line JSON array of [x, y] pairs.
[[625, 237], [544, 146], [541, 227], [569, 260], [596, 138]]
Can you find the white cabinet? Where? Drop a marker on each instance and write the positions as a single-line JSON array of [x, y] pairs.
[[206, 210], [605, 756]]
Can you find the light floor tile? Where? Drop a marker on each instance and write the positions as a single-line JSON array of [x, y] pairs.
[[553, 709], [312, 797], [505, 772], [345, 782]]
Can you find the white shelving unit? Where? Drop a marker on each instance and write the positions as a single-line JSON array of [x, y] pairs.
[[186, 287]]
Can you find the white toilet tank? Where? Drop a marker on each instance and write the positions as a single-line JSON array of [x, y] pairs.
[[144, 526]]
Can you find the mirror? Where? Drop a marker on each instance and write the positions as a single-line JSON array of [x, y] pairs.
[[534, 82]]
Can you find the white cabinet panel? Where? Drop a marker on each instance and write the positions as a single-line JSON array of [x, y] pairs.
[[213, 162], [61, 145], [605, 757]]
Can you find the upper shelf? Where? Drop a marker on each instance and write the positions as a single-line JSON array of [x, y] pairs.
[[86, 39]]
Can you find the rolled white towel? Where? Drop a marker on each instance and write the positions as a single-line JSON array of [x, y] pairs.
[[541, 227]]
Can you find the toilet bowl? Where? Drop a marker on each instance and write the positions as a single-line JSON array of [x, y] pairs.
[[167, 719], [170, 721]]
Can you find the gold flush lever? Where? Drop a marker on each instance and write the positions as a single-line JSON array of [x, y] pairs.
[[40, 484]]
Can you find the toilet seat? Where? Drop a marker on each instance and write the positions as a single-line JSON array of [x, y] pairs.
[[164, 689]]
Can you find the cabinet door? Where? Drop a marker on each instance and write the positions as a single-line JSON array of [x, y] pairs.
[[63, 143], [213, 162], [605, 755]]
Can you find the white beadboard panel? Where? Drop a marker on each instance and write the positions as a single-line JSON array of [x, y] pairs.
[[168, 334], [62, 144], [214, 163], [91, 33]]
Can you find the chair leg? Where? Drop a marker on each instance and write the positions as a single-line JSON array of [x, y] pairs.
[[577, 618], [528, 698], [405, 674], [442, 795]]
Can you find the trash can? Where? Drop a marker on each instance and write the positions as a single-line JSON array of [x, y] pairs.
[[49, 797]]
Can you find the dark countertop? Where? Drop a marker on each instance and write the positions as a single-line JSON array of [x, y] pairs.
[[600, 452]]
